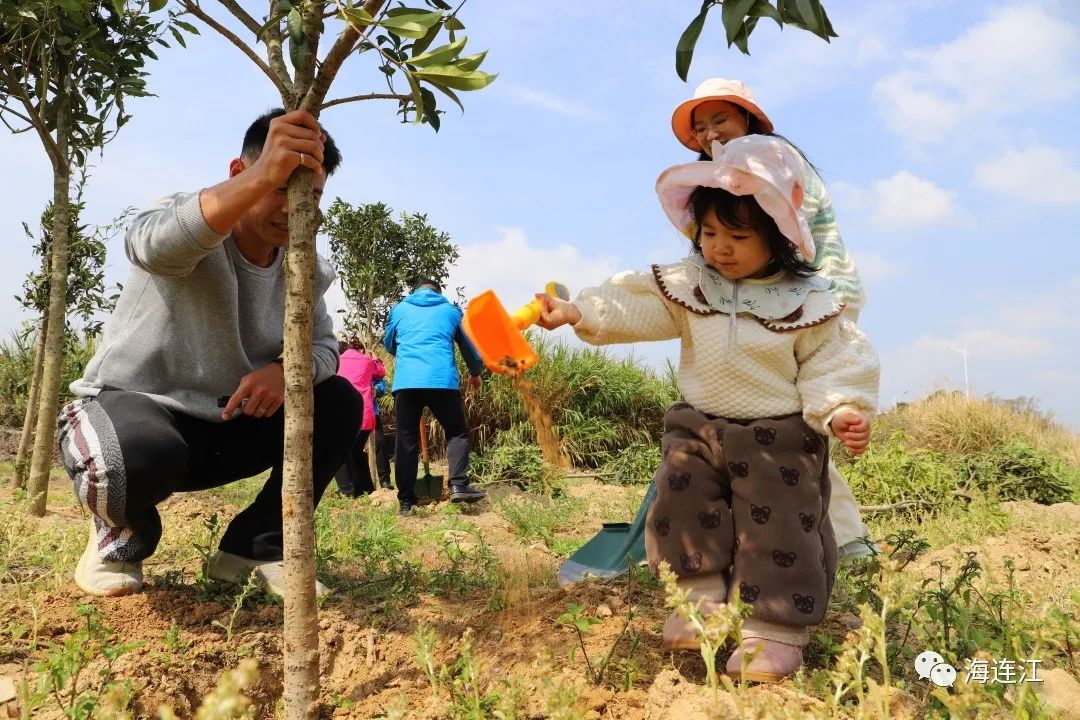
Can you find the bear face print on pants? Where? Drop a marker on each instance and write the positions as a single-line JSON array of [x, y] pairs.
[[790, 476], [690, 563], [662, 526], [783, 559], [764, 435], [807, 521], [678, 481], [811, 444], [803, 603], [739, 469], [760, 513], [710, 521], [748, 593]]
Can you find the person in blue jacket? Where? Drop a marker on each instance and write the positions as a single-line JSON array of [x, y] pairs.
[[421, 333]]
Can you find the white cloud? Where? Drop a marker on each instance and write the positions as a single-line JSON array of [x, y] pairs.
[[899, 203], [1039, 174], [1020, 58], [906, 201], [549, 101], [875, 268], [516, 269]]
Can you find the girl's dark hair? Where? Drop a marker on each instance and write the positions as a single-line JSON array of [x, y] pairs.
[[742, 211]]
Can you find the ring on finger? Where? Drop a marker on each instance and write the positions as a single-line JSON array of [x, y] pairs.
[[301, 157]]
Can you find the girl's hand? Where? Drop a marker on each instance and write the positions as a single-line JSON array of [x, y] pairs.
[[556, 313], [853, 430]]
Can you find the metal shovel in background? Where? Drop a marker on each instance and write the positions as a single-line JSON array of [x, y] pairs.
[[429, 488]]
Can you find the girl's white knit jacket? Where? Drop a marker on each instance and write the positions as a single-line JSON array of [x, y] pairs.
[[812, 361]]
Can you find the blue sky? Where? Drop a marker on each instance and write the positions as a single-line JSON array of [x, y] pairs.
[[945, 130]]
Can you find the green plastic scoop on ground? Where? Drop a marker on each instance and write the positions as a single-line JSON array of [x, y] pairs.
[[609, 552]]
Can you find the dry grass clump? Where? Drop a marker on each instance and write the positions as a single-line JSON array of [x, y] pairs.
[[952, 424]]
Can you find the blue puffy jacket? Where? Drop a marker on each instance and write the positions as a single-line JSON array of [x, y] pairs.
[[421, 333]]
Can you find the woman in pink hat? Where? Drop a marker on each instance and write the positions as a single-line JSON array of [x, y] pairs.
[[722, 110], [769, 369]]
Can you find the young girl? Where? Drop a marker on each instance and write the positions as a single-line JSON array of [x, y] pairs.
[[723, 110], [768, 369]]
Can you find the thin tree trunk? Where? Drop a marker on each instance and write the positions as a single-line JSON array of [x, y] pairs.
[[30, 420], [372, 460], [54, 337], [301, 692]]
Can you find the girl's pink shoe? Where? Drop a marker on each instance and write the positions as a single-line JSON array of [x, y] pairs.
[[771, 661], [679, 634]]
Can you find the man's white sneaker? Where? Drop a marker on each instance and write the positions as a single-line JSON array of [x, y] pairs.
[[270, 574], [106, 579]]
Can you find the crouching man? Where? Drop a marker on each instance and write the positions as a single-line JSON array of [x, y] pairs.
[[185, 391]]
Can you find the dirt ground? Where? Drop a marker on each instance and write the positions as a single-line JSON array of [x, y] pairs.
[[369, 662]]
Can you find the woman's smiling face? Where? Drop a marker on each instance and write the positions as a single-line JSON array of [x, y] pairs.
[[718, 120]]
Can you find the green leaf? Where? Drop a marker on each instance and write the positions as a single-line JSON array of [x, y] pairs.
[[453, 23], [742, 40], [418, 97], [450, 94], [471, 62], [358, 15], [684, 51], [440, 55], [423, 43], [455, 78], [295, 23], [156, 5], [410, 22], [809, 17], [431, 114], [179, 38], [764, 8], [732, 12], [829, 31]]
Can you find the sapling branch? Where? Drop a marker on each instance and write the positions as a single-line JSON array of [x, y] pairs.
[[369, 96], [229, 35]]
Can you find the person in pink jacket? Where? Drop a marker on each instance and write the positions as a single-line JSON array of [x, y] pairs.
[[360, 369]]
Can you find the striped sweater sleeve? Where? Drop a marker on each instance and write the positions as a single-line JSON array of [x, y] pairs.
[[832, 259]]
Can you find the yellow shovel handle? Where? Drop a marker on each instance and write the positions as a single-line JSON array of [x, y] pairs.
[[527, 315]]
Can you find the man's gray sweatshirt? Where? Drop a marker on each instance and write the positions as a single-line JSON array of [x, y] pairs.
[[195, 317]]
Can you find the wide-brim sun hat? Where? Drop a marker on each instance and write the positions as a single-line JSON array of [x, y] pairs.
[[732, 91], [757, 165]]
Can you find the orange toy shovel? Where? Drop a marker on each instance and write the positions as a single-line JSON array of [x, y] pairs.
[[498, 336]]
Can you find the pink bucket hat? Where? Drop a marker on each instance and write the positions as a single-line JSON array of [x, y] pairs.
[[757, 165], [731, 91]]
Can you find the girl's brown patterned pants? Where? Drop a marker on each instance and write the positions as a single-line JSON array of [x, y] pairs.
[[743, 505]]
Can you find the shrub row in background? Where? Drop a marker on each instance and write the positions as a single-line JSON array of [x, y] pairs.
[[16, 367], [608, 415]]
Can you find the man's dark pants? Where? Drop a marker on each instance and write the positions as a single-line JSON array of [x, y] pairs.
[[354, 475], [125, 454], [383, 451], [447, 408]]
